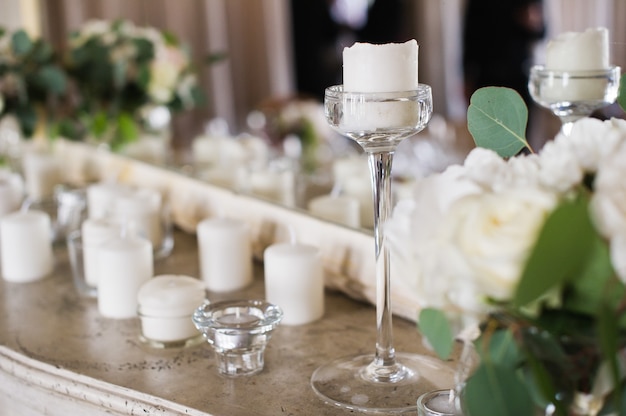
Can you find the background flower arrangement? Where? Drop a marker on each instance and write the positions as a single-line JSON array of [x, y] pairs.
[[31, 79], [525, 255], [119, 70]]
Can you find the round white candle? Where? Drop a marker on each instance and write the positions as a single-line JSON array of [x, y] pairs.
[[579, 51], [342, 209], [26, 246], [390, 67], [11, 192], [294, 281], [101, 198], [387, 68], [166, 304], [142, 210], [277, 186], [42, 172], [124, 265], [225, 254], [360, 187], [95, 232]]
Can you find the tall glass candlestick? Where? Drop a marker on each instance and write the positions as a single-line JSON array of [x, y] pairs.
[[384, 381]]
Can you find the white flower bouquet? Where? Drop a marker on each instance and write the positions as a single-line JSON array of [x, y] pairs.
[[119, 69], [527, 253]]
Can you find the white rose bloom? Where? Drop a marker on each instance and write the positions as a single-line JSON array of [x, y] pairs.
[[560, 169], [484, 166], [163, 78], [608, 203], [493, 234], [520, 172]]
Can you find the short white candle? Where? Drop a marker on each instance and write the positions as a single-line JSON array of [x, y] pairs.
[[166, 303], [390, 67], [572, 52], [95, 232], [101, 198], [277, 186], [11, 192], [225, 254], [26, 246], [294, 281], [142, 210], [387, 68], [579, 51], [42, 172], [361, 189], [342, 209], [124, 264]]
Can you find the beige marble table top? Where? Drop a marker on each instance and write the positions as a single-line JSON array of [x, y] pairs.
[[55, 342]]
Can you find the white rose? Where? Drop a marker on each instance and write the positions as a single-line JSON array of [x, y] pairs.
[[493, 234], [163, 77], [560, 170], [608, 203], [483, 166]]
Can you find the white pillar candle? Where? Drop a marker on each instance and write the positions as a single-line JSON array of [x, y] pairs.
[[166, 304], [294, 281], [124, 264], [11, 192], [42, 172], [26, 246], [225, 254], [572, 52], [361, 189], [387, 68], [101, 198], [390, 67], [142, 210], [94, 233], [277, 186], [342, 209], [579, 51]]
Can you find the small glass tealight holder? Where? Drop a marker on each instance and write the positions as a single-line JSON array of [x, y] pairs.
[[438, 403], [166, 304], [238, 331]]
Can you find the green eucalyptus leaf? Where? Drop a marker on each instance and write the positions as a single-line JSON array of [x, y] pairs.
[[499, 347], [497, 119], [497, 390], [21, 42], [434, 325], [621, 97], [52, 78], [562, 248], [27, 118]]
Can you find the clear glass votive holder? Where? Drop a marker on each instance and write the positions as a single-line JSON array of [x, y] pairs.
[[438, 403], [238, 331], [75, 254]]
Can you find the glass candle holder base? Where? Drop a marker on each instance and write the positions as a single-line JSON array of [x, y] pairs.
[[438, 403], [235, 363]]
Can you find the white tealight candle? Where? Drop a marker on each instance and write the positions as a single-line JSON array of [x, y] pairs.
[[42, 172], [391, 67], [294, 281], [166, 304], [225, 254], [124, 264], [579, 51], [26, 246], [94, 233]]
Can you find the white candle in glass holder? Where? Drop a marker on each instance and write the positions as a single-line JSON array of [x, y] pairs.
[[101, 198], [124, 265], [294, 281], [387, 68], [95, 232], [142, 209], [42, 172], [166, 303], [572, 52], [225, 254], [26, 246]]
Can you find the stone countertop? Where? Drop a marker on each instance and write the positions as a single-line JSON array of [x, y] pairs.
[[47, 328]]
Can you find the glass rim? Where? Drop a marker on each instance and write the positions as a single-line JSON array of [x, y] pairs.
[[423, 91], [542, 71]]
